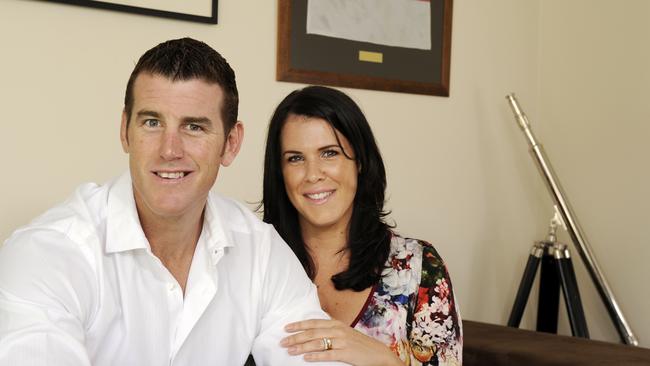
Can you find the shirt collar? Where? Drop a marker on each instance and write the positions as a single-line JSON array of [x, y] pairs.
[[215, 237], [124, 232]]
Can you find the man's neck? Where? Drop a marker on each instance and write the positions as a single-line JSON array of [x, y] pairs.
[[173, 241]]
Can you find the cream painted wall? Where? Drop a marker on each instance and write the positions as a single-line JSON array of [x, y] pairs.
[[595, 87], [459, 174]]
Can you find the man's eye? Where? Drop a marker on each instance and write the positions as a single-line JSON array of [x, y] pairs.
[[151, 123], [194, 127], [294, 158]]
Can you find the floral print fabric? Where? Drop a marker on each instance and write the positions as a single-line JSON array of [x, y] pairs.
[[412, 309]]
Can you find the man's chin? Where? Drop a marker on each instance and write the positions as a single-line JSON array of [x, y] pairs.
[[171, 210]]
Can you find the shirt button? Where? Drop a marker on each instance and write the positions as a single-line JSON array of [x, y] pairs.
[[171, 286]]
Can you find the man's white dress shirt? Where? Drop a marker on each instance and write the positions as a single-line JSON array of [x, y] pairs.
[[80, 286]]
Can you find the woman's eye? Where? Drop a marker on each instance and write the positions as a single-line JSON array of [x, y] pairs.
[[152, 123], [329, 153], [294, 158]]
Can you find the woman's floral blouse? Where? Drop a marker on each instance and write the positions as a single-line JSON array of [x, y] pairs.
[[412, 308]]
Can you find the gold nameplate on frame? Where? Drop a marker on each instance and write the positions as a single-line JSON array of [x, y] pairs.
[[367, 56]]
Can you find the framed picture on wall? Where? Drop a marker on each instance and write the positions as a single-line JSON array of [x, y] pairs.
[[390, 45], [203, 11]]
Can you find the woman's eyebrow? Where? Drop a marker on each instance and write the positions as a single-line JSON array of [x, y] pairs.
[[329, 147], [291, 152]]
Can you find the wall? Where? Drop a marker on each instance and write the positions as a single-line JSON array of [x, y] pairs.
[[459, 173], [595, 87]]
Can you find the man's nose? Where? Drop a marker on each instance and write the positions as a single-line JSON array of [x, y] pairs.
[[171, 146]]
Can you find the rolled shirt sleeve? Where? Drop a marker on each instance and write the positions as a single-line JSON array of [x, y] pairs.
[[288, 296]]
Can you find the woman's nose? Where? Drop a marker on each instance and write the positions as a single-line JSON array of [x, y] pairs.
[[314, 172]]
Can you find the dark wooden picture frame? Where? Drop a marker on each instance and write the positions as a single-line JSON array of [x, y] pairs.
[[315, 59], [158, 12]]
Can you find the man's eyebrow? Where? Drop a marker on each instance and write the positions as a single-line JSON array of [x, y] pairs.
[[147, 113], [197, 120], [185, 120]]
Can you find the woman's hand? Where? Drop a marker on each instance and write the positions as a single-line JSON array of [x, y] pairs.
[[347, 345]]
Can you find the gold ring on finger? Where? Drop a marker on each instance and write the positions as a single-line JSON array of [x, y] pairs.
[[327, 344]]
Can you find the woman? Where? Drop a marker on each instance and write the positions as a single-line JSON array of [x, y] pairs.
[[324, 184]]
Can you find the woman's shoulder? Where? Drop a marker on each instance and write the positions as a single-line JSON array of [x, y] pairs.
[[405, 245], [421, 256], [399, 239]]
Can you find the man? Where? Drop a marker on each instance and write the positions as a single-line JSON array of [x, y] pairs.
[[152, 268]]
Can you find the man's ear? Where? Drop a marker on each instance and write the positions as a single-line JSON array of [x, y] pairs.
[[232, 144], [124, 133]]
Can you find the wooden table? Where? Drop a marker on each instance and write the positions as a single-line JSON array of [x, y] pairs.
[[495, 345]]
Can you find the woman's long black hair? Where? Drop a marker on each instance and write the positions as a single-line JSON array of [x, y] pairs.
[[369, 235]]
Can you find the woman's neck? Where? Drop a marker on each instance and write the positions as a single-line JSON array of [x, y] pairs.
[[324, 240], [327, 247]]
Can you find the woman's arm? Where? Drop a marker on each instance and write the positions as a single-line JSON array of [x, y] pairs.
[[436, 332]]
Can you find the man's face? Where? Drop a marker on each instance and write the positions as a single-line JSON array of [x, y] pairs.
[[176, 143]]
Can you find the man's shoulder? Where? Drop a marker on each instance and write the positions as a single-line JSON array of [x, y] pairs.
[[52, 261], [242, 228], [235, 215], [73, 220]]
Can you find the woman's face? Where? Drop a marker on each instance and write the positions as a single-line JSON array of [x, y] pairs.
[[320, 180]]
